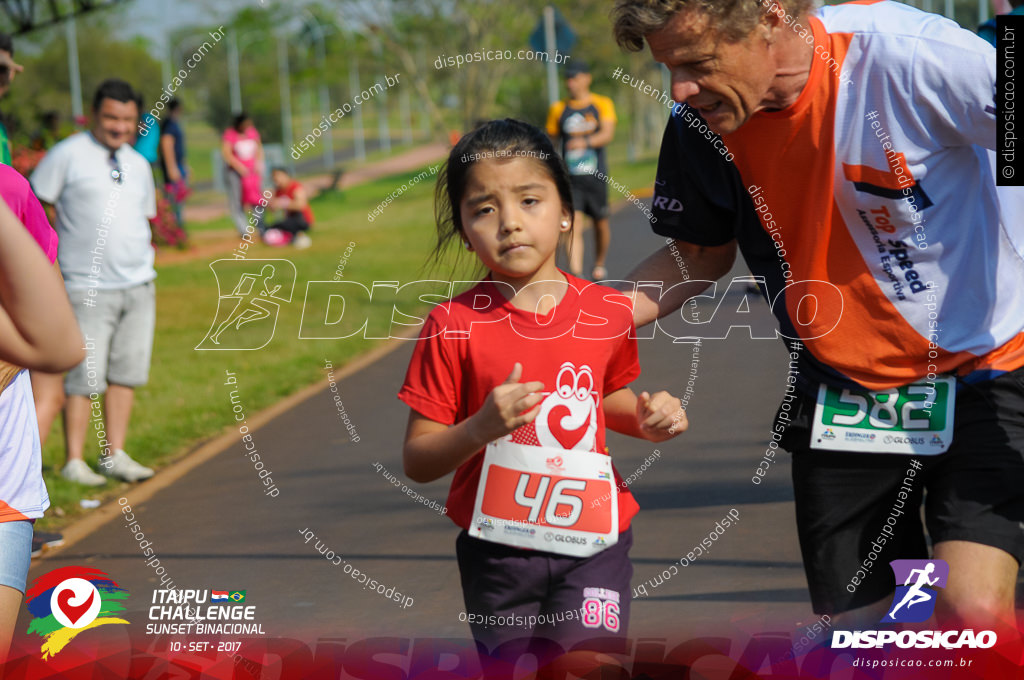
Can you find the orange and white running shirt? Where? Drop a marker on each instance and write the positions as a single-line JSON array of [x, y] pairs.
[[879, 180]]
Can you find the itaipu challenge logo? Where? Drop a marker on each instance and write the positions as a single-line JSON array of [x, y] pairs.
[[69, 600]]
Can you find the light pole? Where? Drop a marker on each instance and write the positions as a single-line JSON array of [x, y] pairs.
[[353, 79], [234, 80], [73, 69], [325, 103], [165, 63], [550, 46], [286, 94], [383, 131]]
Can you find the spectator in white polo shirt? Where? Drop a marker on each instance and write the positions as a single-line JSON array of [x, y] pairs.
[[103, 193]]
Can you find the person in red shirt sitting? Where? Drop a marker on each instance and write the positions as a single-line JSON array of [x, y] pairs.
[[291, 197]]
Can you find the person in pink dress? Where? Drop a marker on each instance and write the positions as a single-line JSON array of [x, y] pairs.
[[243, 169]]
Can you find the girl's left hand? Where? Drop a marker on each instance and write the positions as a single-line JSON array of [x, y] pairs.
[[660, 417]]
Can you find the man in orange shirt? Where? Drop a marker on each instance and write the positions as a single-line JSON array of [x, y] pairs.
[[863, 194]]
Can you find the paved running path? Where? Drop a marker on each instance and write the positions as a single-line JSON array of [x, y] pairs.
[[215, 529]]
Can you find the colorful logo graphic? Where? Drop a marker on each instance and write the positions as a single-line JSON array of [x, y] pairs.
[[914, 601], [69, 600], [829, 434]]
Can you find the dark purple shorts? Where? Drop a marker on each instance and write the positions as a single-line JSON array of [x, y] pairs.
[[512, 594]]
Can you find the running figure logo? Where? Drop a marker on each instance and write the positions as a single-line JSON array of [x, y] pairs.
[[914, 601], [246, 317]]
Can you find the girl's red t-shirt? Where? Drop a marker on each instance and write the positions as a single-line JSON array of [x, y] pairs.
[[470, 344], [289, 191]]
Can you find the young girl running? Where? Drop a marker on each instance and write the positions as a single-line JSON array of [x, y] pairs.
[[511, 385]]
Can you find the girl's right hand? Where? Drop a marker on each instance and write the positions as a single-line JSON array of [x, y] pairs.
[[508, 406]]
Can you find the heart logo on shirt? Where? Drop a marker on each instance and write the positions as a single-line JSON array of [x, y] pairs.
[[568, 415], [73, 612], [567, 439]]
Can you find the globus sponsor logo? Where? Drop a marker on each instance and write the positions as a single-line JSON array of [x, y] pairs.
[[562, 538], [889, 439], [917, 639]]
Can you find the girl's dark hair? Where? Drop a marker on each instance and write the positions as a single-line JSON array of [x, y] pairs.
[[506, 138], [237, 121]]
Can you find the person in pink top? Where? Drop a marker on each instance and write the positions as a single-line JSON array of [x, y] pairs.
[[49, 341], [243, 168]]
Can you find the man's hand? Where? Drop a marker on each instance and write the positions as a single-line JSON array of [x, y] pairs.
[[8, 69]]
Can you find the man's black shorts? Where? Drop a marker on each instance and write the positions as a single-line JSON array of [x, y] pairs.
[[973, 492], [590, 196]]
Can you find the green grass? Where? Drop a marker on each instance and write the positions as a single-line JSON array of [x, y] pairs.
[[186, 402], [202, 140]]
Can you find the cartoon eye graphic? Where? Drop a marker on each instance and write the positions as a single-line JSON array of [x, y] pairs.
[[584, 383], [566, 380]]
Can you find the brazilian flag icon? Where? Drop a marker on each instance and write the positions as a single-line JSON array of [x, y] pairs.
[[237, 595]]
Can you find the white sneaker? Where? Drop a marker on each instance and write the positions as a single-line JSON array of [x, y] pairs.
[[121, 465], [78, 471], [302, 240]]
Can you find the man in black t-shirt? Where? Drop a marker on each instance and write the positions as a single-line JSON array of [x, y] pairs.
[[172, 159]]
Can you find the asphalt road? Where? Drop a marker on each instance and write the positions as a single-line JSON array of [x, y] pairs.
[[216, 529]]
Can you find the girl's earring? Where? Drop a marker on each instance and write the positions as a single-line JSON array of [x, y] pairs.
[[466, 243], [565, 223]]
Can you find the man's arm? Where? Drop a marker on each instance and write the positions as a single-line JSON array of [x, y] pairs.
[[700, 263], [50, 210], [552, 127], [602, 137], [955, 106], [8, 69]]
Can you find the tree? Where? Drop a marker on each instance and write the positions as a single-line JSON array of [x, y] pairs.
[[45, 84]]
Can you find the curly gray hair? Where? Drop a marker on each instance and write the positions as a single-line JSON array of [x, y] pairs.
[[735, 19]]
